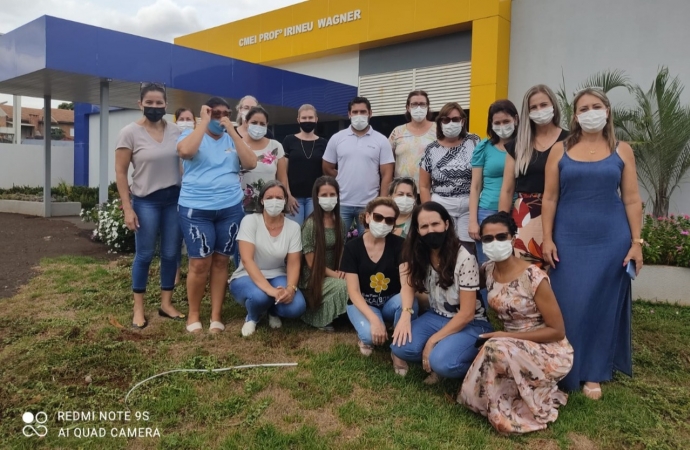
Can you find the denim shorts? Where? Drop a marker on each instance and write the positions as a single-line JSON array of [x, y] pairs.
[[206, 232]]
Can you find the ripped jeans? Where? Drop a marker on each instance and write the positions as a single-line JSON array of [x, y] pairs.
[[207, 232]]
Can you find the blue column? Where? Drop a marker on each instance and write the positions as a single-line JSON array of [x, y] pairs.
[[81, 142]]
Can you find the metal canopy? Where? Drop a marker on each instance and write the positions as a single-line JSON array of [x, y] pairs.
[[67, 60]]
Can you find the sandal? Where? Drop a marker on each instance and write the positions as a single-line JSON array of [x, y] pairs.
[[365, 349], [399, 366], [137, 326], [194, 327], [168, 316], [592, 393], [432, 379], [216, 327]]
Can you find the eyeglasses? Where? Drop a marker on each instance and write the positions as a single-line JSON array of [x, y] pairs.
[[158, 86], [500, 237], [418, 105], [447, 120], [217, 114], [381, 218]]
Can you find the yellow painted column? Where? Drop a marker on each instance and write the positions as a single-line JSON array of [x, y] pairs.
[[489, 76]]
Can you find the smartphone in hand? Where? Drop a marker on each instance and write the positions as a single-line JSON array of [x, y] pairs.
[[631, 269]]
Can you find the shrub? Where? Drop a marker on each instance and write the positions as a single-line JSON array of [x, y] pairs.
[[667, 240], [63, 192], [110, 228]]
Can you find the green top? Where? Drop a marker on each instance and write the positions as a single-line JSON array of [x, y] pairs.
[[308, 244]]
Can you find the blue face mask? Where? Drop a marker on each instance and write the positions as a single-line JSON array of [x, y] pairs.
[[215, 127]]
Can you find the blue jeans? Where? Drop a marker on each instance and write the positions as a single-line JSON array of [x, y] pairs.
[[453, 355], [157, 214], [206, 232], [306, 207], [350, 214], [481, 257], [389, 313], [247, 293]]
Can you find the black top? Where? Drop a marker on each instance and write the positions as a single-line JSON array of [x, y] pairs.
[[533, 181], [304, 163], [377, 281]]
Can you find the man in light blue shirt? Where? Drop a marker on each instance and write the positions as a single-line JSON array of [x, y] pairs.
[[365, 162]]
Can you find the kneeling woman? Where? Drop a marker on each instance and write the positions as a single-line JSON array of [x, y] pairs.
[[372, 264], [513, 379], [442, 339], [270, 253], [323, 238]]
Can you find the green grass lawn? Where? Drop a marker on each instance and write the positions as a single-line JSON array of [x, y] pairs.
[[62, 328]]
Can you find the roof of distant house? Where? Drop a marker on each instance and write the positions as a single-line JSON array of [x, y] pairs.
[[56, 115]]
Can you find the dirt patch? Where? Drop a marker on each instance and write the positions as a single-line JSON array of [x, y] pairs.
[[543, 444], [581, 442], [26, 239]]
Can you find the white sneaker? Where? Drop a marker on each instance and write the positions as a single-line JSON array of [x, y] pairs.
[[274, 321], [248, 328]]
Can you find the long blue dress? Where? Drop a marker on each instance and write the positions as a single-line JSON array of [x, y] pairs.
[[592, 235]]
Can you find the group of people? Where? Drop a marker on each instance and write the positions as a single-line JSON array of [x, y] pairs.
[[534, 222]]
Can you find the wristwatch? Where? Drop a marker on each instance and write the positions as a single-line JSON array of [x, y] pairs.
[[409, 310], [637, 241], [294, 288]]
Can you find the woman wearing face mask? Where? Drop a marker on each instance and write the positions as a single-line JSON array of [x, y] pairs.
[[403, 191], [184, 119], [210, 206], [445, 173], [303, 154], [513, 380], [270, 252], [243, 106], [372, 264], [488, 164], [323, 238], [592, 224], [442, 339], [411, 139], [150, 204], [524, 169], [270, 159]]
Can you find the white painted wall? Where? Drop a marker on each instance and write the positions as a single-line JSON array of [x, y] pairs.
[[577, 38], [343, 68], [22, 165]]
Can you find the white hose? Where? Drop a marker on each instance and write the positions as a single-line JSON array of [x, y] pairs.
[[224, 369]]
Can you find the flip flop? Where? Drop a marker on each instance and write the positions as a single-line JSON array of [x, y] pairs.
[[162, 313], [592, 393], [194, 327], [400, 367], [216, 327], [140, 327]]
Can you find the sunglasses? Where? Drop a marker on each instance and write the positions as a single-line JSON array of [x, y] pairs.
[[144, 85], [447, 120], [418, 105], [216, 114], [500, 237], [381, 218]]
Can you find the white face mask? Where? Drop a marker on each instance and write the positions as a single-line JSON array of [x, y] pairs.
[[379, 229], [418, 114], [542, 116], [359, 122], [504, 131], [451, 129], [498, 251], [328, 203], [274, 206], [185, 125], [256, 132], [592, 121], [405, 204]]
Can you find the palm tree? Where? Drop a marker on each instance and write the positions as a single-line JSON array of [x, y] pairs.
[[605, 80], [658, 129]]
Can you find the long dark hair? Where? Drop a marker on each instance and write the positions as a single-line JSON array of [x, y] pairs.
[[500, 106], [318, 267], [418, 256]]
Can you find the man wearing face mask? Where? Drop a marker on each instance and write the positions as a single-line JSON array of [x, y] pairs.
[[365, 162]]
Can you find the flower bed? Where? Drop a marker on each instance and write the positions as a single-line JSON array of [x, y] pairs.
[[110, 226], [667, 240]]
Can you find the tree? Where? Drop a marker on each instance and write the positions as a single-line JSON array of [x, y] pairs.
[[66, 106], [605, 80], [658, 129], [56, 134]]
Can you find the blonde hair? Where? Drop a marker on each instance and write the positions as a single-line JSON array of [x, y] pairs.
[[524, 143], [609, 130], [239, 104], [306, 107]]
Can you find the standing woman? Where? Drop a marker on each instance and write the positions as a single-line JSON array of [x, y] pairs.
[[184, 118], [210, 207], [303, 155], [149, 146], [403, 191], [323, 239], [592, 224], [243, 106], [270, 159], [524, 169], [488, 164], [443, 338], [270, 250], [411, 139], [445, 174]]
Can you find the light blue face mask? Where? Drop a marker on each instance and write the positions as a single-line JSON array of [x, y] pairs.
[[215, 127]]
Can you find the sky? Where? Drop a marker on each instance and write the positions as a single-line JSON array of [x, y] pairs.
[[160, 19]]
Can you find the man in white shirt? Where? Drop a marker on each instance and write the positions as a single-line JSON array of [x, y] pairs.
[[365, 162]]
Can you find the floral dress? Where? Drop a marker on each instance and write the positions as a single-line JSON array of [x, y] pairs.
[[513, 381], [266, 169], [409, 149]]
